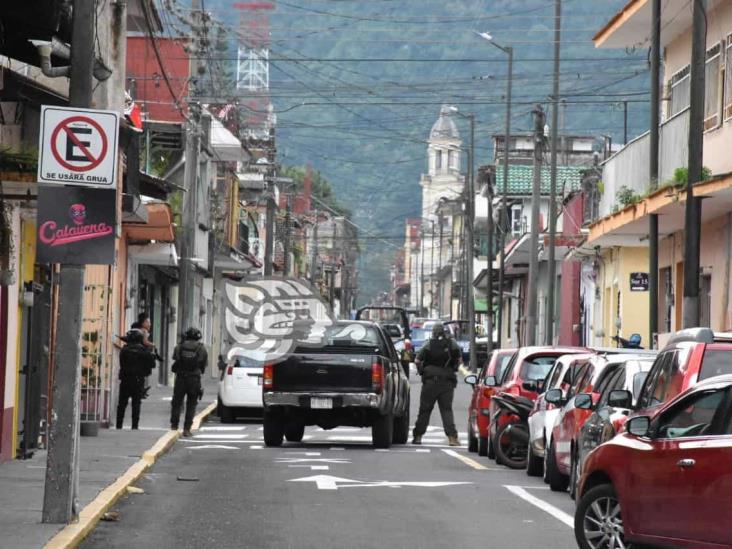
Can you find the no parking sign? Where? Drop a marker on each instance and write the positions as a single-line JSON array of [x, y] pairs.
[[78, 147]]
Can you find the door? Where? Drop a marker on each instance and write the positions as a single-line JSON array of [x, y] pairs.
[[681, 482]]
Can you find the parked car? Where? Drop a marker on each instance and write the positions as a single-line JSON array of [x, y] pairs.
[[544, 414], [240, 389], [479, 408], [606, 419], [592, 377], [664, 480], [419, 337], [522, 377], [353, 378]]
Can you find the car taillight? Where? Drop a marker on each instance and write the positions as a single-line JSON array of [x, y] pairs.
[[268, 376], [229, 370], [377, 377], [487, 392]]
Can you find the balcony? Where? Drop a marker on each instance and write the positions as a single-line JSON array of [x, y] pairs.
[[629, 166]]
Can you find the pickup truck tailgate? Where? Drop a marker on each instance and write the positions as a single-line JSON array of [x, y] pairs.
[[312, 373]]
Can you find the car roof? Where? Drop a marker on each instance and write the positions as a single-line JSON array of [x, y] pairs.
[[699, 335], [622, 351], [550, 350]]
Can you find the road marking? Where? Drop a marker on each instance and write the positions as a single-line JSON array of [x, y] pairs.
[[303, 453], [213, 446], [557, 513], [327, 482], [223, 428], [223, 436], [257, 447], [313, 467], [337, 449], [466, 460], [317, 460]]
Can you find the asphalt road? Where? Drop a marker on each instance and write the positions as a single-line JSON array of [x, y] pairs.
[[223, 489]]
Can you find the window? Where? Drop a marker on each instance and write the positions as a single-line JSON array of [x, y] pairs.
[[537, 367], [728, 78], [517, 221], [679, 87], [607, 377], [652, 380], [502, 363], [716, 363], [553, 378], [509, 370], [712, 87], [615, 381], [693, 416], [438, 160]]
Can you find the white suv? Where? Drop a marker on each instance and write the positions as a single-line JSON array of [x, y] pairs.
[[240, 389]]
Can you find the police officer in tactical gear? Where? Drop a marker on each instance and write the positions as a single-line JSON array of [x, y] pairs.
[[189, 362], [437, 363], [135, 364]]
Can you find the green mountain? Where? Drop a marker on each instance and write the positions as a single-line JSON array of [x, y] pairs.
[[357, 86]]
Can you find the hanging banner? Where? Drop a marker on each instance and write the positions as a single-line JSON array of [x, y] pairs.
[[76, 225], [78, 147]]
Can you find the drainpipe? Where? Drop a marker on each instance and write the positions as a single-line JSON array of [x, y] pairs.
[[58, 48]]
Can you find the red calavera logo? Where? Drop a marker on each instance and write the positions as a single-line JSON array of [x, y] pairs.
[[77, 213]]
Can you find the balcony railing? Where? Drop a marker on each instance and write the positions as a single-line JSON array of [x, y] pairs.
[[629, 166]]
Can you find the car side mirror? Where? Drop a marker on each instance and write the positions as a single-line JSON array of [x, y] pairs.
[[620, 398], [530, 385], [490, 381], [583, 401], [471, 379], [639, 426], [554, 396]]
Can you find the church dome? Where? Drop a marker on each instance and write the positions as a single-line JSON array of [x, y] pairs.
[[445, 127]]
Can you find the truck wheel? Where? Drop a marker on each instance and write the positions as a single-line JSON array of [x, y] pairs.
[[226, 414], [294, 431], [557, 481], [401, 427], [274, 428], [382, 431]]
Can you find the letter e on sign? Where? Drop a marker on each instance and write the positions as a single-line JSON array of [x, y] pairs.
[[78, 147]]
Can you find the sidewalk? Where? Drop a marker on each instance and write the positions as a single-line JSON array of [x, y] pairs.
[[102, 460]]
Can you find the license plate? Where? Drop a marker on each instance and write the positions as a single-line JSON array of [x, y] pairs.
[[321, 403]]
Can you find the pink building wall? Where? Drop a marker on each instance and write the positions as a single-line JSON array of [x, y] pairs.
[[569, 312]]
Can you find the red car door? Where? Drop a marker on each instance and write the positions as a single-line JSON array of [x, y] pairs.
[[681, 483]]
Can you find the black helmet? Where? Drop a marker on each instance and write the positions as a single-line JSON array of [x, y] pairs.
[[438, 330], [133, 336], [192, 333]]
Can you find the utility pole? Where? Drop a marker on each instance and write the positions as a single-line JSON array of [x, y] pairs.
[[625, 122], [421, 267], [696, 148], [470, 215], [314, 256], [504, 194], [269, 230], [553, 186], [60, 497], [653, 169], [288, 237], [440, 221], [532, 294], [489, 262], [332, 266], [432, 267]]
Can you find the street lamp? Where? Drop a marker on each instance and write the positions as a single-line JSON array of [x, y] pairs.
[[508, 50], [469, 219]]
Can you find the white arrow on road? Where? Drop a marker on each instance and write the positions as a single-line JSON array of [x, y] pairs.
[[327, 482]]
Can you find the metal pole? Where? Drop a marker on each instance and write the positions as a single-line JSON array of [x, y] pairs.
[[532, 293], [421, 267], [287, 238], [470, 214], [489, 264], [333, 265], [553, 186], [269, 230], [696, 148], [60, 497], [504, 200], [439, 270], [432, 268], [625, 122], [653, 169], [314, 255]]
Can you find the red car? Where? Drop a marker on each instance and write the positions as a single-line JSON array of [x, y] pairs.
[[479, 409], [666, 479], [524, 374], [592, 377]]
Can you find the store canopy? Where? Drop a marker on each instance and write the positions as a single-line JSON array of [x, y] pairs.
[[161, 254], [159, 225], [226, 147]]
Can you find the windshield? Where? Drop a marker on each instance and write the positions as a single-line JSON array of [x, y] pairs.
[[716, 363], [537, 367], [420, 333]]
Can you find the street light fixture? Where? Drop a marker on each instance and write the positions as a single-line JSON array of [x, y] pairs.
[[508, 50]]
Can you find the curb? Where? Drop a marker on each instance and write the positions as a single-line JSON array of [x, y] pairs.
[[73, 534]]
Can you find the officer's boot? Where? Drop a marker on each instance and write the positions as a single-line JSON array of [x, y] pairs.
[[453, 441], [417, 439]]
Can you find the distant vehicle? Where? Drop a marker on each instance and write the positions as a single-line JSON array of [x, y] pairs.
[[664, 480], [541, 420], [479, 408], [607, 419], [419, 337], [354, 378], [393, 331], [240, 389], [460, 332]]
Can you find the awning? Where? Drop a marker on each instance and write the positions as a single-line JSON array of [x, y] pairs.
[[629, 227], [162, 254], [159, 226], [226, 147], [517, 258], [251, 180], [236, 262]]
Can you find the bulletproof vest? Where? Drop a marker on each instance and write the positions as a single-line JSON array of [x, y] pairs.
[[133, 359], [438, 353], [188, 357]]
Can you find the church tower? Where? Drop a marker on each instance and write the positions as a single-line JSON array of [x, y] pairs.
[[443, 159]]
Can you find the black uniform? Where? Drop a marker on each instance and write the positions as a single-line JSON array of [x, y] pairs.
[[190, 359], [440, 359], [135, 364]]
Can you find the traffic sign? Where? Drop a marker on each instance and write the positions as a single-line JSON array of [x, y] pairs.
[[78, 147]]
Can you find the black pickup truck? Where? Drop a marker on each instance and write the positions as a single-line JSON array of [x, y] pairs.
[[354, 378]]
